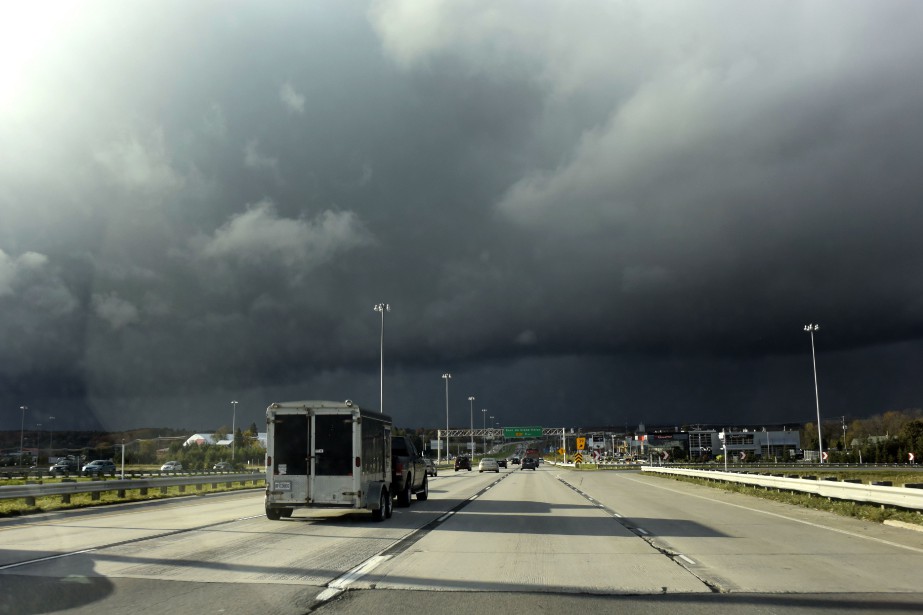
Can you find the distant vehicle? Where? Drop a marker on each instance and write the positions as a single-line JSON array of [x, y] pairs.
[[488, 464], [501, 463], [63, 466], [515, 461], [430, 467], [462, 463], [171, 466], [223, 466], [529, 464], [99, 467]]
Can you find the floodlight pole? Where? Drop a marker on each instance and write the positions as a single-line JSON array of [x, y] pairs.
[[471, 424], [447, 376], [811, 328], [234, 432], [381, 307]]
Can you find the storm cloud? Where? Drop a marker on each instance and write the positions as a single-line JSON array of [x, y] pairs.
[[589, 214]]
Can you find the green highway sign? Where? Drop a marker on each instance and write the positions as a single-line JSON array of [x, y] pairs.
[[522, 432]]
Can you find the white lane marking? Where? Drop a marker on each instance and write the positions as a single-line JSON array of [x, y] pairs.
[[772, 514], [445, 516], [642, 531], [44, 559], [473, 497], [686, 559], [339, 585], [616, 515]]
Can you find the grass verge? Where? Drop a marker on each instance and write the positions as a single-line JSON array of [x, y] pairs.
[[18, 507], [846, 508]]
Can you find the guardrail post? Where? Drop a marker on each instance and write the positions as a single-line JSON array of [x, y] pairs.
[[143, 491], [95, 496], [120, 493], [198, 487], [182, 488], [30, 501]]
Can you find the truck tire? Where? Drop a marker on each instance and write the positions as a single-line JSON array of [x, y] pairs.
[[273, 514], [384, 507], [403, 498], [286, 512], [424, 493]]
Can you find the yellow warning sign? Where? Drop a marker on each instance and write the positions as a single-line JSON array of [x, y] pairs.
[[581, 444], [560, 451], [578, 458]]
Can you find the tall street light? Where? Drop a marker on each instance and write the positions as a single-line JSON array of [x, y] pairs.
[[447, 376], [820, 444], [484, 427], [471, 419], [22, 430], [381, 307], [234, 432], [50, 437]]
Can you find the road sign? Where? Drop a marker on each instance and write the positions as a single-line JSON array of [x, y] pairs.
[[560, 451], [911, 456], [522, 432], [825, 455], [578, 458], [666, 456], [743, 455], [581, 444]]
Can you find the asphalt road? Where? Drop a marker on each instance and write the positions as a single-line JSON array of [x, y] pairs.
[[552, 540]]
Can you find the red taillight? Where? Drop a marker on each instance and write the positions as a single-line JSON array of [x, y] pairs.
[[358, 462], [399, 468], [269, 462]]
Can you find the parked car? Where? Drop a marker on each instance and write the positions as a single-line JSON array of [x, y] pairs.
[[430, 467], [99, 467], [501, 463], [462, 463], [171, 466], [221, 466], [488, 464], [529, 464]]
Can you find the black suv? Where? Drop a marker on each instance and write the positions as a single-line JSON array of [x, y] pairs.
[[462, 463], [63, 466], [529, 464]]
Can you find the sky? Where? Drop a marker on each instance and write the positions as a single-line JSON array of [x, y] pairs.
[[594, 213]]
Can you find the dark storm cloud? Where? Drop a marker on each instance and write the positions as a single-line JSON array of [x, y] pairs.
[[619, 213]]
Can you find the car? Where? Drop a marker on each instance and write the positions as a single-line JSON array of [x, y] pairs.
[[488, 464], [529, 464], [99, 467], [501, 463], [221, 466], [515, 461], [430, 467], [171, 466], [462, 463], [63, 466]]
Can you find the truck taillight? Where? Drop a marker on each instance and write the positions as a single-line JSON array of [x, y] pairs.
[[399, 467], [269, 462], [358, 462]]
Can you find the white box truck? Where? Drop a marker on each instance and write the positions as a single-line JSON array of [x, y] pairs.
[[326, 454]]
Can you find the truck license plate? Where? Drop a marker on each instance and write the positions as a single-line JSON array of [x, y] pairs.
[[283, 485]]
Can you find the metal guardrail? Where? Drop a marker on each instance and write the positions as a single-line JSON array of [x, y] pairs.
[[68, 487], [903, 497]]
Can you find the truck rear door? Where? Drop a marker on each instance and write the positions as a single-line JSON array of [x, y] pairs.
[[335, 480], [291, 462]]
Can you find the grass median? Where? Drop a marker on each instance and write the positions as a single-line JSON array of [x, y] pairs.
[[19, 506], [859, 510]]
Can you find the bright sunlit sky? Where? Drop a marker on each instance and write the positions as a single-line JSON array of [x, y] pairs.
[[589, 213]]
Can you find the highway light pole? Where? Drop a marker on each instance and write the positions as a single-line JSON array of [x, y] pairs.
[[471, 419], [820, 443], [484, 428], [446, 376], [22, 431], [50, 437], [381, 307], [234, 432]]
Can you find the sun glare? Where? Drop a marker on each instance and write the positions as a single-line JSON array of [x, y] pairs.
[[27, 31]]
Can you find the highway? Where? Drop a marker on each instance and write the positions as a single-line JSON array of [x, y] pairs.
[[553, 540]]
